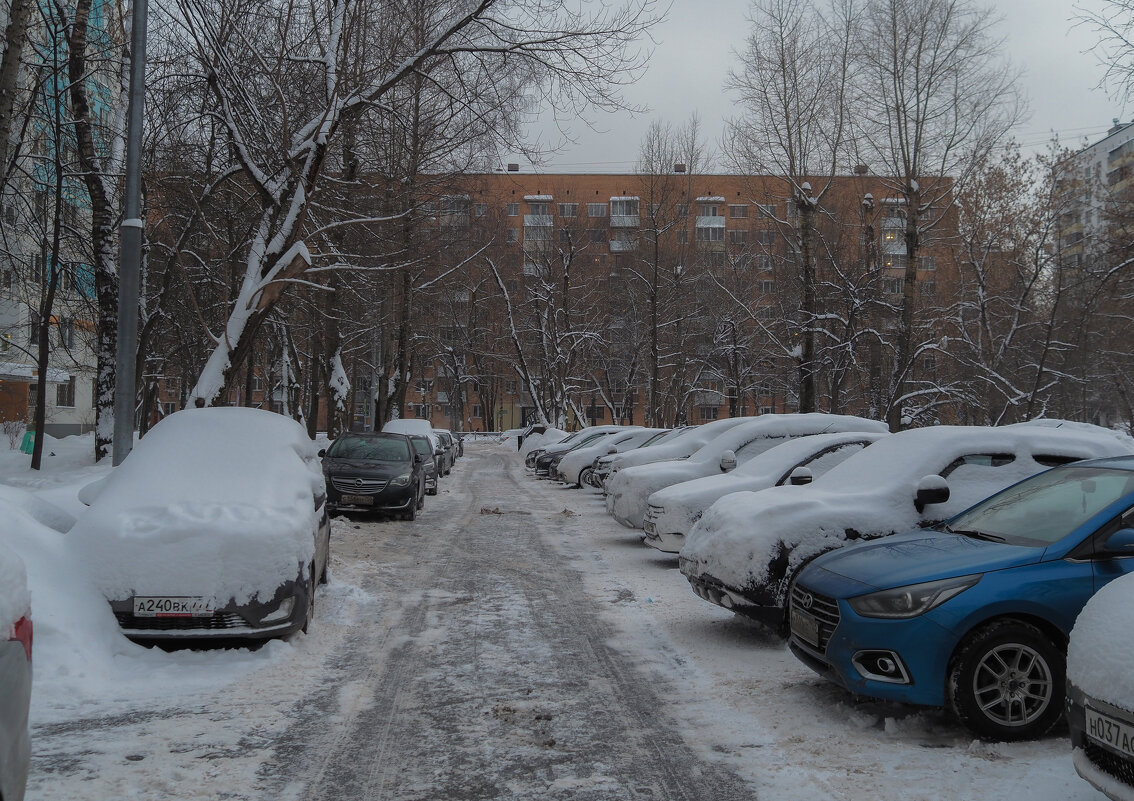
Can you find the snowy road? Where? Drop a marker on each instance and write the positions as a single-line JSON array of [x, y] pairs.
[[511, 643]]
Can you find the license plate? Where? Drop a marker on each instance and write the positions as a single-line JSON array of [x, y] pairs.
[[805, 626], [361, 500], [1117, 734], [172, 606]]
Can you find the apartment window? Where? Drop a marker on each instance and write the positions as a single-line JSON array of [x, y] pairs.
[[682, 236], [510, 387], [568, 209], [421, 410], [927, 263], [929, 362], [767, 287], [65, 393], [624, 208], [596, 209], [513, 209], [477, 411], [682, 209], [708, 412], [763, 261], [542, 209], [596, 413], [596, 235], [709, 210], [766, 410], [738, 237], [766, 210], [928, 288], [893, 286], [480, 209], [892, 237], [895, 261], [766, 238], [513, 235], [707, 234], [67, 332], [737, 211]]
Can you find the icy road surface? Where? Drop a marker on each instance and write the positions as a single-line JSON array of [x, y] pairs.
[[512, 643]]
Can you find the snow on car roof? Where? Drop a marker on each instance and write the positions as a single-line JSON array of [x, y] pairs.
[[782, 425], [1101, 650], [216, 502], [14, 598]]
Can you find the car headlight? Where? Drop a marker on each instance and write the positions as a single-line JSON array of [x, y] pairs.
[[402, 480], [911, 600]]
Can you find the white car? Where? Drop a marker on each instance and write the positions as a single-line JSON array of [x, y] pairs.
[[1100, 685], [542, 458], [630, 487], [15, 673], [576, 465], [745, 549], [671, 512], [214, 526], [604, 465]]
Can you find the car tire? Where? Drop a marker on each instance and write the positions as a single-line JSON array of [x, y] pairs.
[[1007, 681], [309, 615], [410, 513], [585, 476]]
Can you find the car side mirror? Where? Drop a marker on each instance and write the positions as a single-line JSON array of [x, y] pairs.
[[322, 452], [800, 476], [728, 461], [610, 449], [930, 490], [1121, 541]]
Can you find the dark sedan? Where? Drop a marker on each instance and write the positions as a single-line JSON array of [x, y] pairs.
[[424, 448], [372, 471]]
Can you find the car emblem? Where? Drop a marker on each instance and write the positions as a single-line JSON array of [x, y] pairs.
[[806, 600], [358, 482]]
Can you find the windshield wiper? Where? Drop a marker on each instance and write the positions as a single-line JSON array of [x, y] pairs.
[[976, 535]]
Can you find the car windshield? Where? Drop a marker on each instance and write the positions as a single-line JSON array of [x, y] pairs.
[[1045, 508], [653, 439], [381, 449]]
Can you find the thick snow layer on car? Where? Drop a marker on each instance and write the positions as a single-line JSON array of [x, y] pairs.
[[550, 436], [629, 488], [872, 494], [1101, 650], [685, 442], [675, 509], [15, 602], [40, 510], [408, 425], [574, 462], [212, 502]]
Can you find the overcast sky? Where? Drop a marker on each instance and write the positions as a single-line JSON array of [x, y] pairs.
[[696, 47]]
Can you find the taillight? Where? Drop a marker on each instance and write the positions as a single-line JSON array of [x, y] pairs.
[[23, 633]]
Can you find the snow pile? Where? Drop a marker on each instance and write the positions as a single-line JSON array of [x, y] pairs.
[[745, 539], [212, 502], [1101, 650], [15, 601], [550, 436]]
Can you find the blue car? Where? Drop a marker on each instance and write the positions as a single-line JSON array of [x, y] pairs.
[[975, 614]]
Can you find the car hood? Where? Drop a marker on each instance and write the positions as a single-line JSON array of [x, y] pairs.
[[919, 556]]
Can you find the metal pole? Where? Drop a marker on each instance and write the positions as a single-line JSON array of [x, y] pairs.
[[130, 238]]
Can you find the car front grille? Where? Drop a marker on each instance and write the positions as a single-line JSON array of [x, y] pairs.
[[1109, 762], [217, 621], [653, 511], [825, 610], [358, 486]]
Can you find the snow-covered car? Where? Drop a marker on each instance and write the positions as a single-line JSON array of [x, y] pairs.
[[671, 512], [15, 675], [629, 488], [604, 464], [215, 526], [745, 549], [575, 466], [1100, 687], [540, 460], [681, 445]]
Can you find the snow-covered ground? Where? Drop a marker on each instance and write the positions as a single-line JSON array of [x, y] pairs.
[[113, 720]]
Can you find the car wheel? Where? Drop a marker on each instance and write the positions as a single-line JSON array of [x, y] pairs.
[[310, 614], [585, 476], [410, 513], [1007, 681]]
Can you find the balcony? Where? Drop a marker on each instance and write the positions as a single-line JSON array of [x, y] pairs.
[[624, 221], [711, 222], [623, 245], [539, 221]]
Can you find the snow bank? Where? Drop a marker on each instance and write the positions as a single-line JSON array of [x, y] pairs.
[[1101, 649], [212, 502], [15, 601]]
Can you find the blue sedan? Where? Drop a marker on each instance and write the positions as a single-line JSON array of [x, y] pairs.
[[973, 615]]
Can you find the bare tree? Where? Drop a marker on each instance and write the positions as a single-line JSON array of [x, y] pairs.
[[933, 97]]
